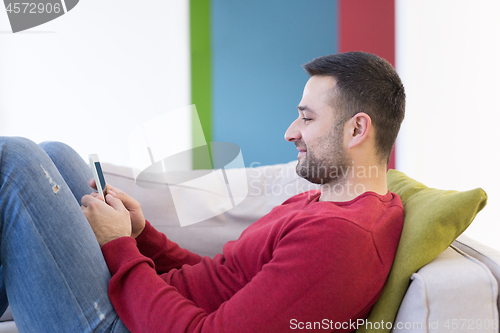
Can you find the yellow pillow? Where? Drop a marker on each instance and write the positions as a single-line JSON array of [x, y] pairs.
[[433, 220]]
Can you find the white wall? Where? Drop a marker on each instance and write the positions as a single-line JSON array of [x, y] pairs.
[[448, 55], [120, 62]]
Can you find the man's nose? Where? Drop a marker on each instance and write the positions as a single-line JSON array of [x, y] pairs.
[[293, 134]]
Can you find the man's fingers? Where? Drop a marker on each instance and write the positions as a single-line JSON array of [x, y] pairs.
[[97, 196], [117, 193], [125, 199], [112, 188], [116, 203], [92, 198], [87, 200], [108, 187]]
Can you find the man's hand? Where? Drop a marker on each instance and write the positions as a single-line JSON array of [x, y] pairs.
[[108, 221], [132, 205]]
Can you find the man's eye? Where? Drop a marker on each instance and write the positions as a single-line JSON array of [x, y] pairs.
[[306, 119]]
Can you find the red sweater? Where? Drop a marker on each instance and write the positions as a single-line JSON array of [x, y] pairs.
[[307, 263]]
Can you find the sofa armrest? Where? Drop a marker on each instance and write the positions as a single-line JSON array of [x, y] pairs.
[[454, 292]]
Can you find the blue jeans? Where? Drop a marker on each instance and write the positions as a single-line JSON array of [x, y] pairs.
[[54, 274]]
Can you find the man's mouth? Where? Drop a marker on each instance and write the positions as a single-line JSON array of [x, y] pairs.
[[301, 147], [302, 151]]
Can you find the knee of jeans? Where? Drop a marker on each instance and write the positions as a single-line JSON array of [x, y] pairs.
[[23, 157], [15, 151], [18, 145], [53, 145], [56, 148]]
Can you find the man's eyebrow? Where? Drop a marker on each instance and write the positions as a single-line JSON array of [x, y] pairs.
[[304, 108]]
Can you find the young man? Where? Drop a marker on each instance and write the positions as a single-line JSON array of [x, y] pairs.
[[322, 256]]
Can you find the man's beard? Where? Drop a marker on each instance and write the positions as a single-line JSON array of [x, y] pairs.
[[331, 168]]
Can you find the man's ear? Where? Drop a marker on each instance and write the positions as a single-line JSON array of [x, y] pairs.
[[358, 126]]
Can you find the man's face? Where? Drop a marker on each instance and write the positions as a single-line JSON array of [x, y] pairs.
[[323, 159]]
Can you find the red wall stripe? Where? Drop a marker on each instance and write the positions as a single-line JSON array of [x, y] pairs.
[[369, 26]]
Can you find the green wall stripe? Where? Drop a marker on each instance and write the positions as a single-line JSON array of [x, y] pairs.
[[201, 87]]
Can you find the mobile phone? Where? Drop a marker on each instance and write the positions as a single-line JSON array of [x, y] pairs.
[[100, 183]]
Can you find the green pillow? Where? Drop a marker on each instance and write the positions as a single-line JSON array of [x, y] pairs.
[[433, 219]]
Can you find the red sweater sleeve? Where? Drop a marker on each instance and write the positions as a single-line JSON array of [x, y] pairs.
[[164, 253], [312, 269]]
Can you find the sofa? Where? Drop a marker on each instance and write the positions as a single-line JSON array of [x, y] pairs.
[[454, 287]]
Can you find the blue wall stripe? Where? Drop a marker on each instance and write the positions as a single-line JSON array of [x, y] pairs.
[[258, 48]]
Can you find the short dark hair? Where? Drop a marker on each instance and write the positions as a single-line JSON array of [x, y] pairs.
[[365, 83]]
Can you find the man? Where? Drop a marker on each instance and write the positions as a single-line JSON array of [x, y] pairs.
[[320, 258]]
